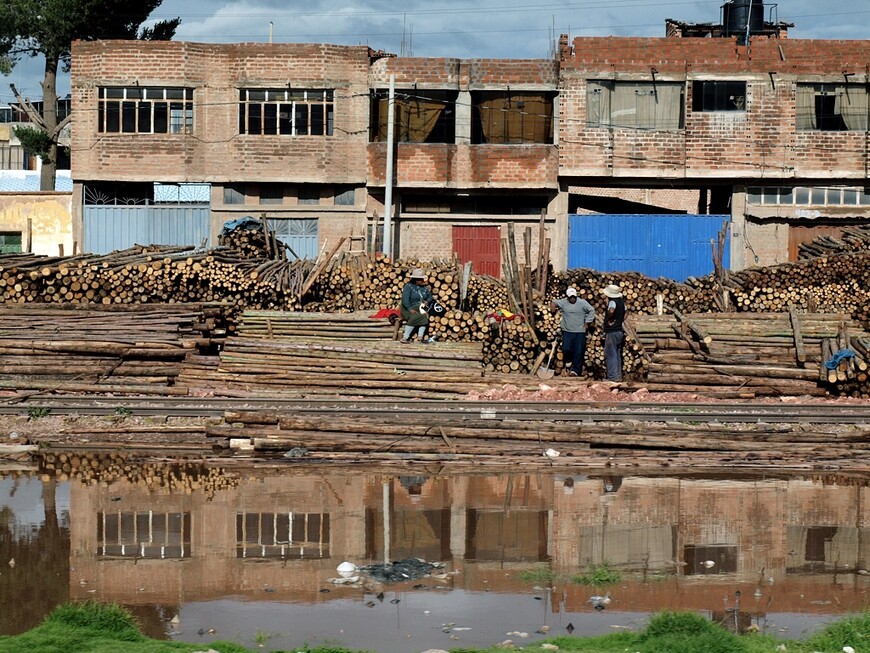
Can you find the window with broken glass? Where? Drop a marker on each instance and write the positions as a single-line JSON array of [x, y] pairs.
[[634, 105], [424, 116], [507, 118], [145, 110], [832, 107], [287, 112], [718, 96]]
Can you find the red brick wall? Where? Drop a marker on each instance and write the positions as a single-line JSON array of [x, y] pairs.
[[473, 73], [215, 151], [465, 166], [763, 141]]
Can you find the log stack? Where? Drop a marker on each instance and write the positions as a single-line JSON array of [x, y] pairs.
[[748, 355], [128, 349], [852, 239]]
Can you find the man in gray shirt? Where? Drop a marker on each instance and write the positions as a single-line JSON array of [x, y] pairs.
[[577, 315]]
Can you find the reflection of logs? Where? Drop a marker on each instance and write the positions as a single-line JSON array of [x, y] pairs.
[[421, 435], [90, 468]]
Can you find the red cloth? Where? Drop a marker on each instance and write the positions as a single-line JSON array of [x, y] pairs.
[[385, 313]]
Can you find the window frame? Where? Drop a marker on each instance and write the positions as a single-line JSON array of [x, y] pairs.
[[145, 110], [609, 105], [512, 124], [712, 96], [286, 112], [820, 106]]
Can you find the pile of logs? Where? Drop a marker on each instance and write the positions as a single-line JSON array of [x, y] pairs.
[[747, 355], [428, 436], [249, 271], [837, 283], [852, 239], [138, 275], [253, 239], [309, 355], [130, 349]]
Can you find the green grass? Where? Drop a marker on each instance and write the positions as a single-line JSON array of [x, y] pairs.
[[540, 574], [98, 628], [36, 412], [852, 631], [599, 575]]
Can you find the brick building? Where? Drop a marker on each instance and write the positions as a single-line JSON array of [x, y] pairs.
[[769, 134]]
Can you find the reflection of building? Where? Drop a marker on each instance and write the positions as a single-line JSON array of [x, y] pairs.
[[679, 542]]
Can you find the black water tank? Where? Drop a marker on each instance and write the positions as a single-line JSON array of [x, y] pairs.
[[737, 14]]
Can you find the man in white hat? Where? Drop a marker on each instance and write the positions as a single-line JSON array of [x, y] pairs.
[[614, 337], [577, 315], [416, 298]]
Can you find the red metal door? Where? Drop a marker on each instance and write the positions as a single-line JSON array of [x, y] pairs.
[[481, 246]]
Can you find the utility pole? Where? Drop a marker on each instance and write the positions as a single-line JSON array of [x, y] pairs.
[[388, 193]]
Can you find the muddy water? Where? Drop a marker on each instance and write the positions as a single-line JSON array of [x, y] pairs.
[[250, 554]]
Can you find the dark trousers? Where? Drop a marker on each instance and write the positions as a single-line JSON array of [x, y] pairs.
[[574, 347], [613, 341]]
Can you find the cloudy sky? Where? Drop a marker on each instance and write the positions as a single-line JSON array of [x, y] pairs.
[[461, 28]]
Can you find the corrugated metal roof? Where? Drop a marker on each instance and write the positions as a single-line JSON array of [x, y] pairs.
[[27, 181]]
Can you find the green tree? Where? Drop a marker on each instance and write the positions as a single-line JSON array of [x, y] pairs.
[[30, 28]]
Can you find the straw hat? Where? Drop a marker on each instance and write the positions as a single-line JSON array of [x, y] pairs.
[[613, 291], [418, 274]]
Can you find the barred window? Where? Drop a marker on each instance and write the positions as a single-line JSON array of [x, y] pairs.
[[145, 110], [285, 111], [144, 534], [288, 535]]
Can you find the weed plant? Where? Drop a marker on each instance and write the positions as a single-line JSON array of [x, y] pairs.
[[600, 576]]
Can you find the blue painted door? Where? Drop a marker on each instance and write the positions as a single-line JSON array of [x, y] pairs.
[[111, 227], [675, 246]]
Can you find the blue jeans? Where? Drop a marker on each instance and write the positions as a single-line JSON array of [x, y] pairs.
[[574, 347], [613, 354]]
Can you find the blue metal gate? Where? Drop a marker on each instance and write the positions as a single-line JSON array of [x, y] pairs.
[[111, 227], [299, 234], [675, 246]]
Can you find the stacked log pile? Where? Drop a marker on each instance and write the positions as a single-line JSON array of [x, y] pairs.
[[130, 349], [154, 274], [294, 361], [837, 283], [852, 239], [514, 442], [748, 355]]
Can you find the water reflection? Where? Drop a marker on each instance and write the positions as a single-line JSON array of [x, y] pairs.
[[201, 552]]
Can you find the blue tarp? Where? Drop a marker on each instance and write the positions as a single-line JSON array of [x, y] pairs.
[[834, 361], [246, 222]]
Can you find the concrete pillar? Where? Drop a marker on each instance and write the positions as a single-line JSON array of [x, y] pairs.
[[458, 517], [463, 118], [738, 228], [558, 210]]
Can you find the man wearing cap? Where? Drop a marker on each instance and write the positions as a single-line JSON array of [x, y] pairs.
[[614, 337], [416, 298], [577, 315]]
